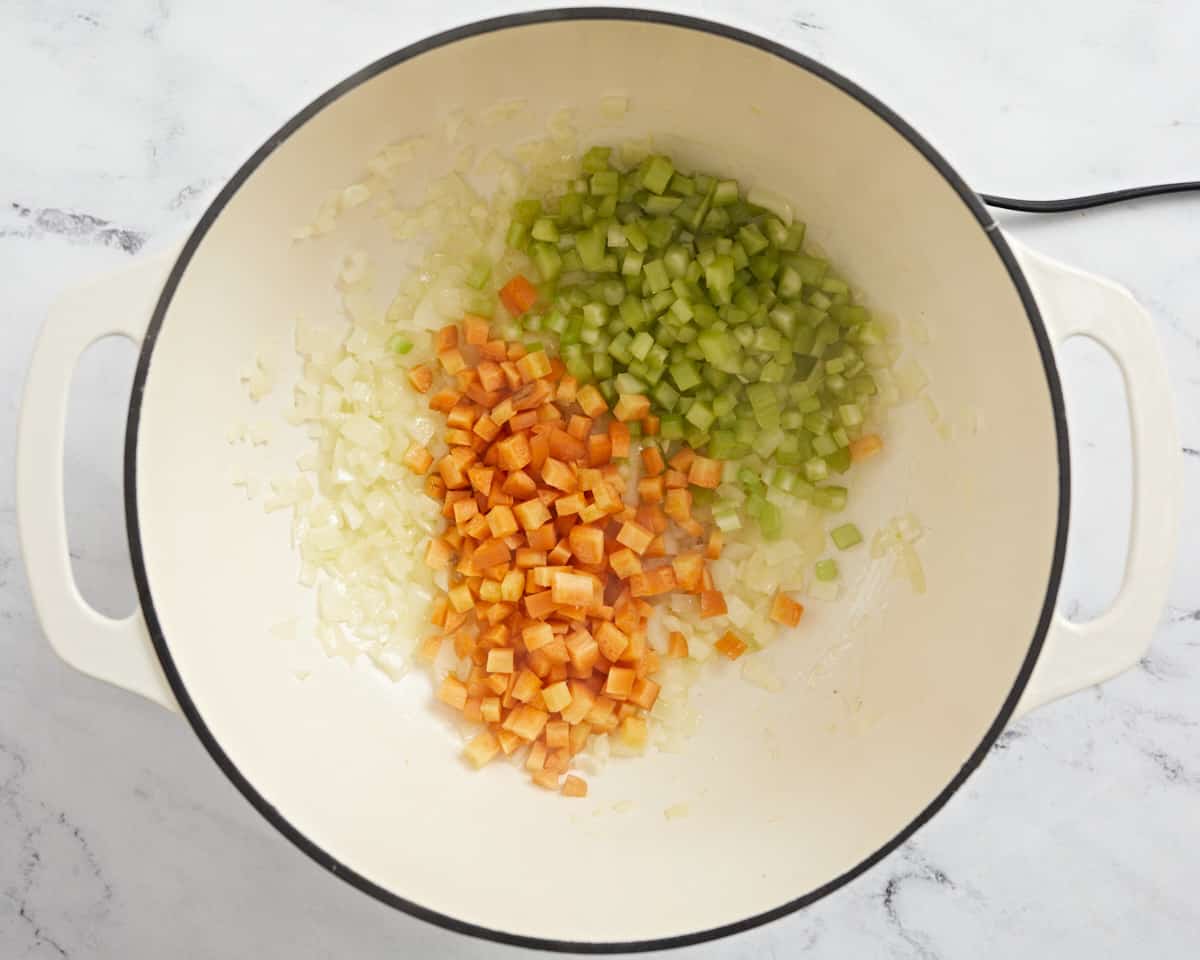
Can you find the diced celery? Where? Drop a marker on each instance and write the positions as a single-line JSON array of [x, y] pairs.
[[657, 174], [845, 536], [826, 569], [399, 343]]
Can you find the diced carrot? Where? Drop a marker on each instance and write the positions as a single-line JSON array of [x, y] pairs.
[[618, 434], [572, 589], [590, 400], [452, 360], [675, 479], [494, 350], [558, 475], [625, 563], [520, 485], [500, 660], [706, 473], [716, 541], [514, 452], [652, 582], [526, 686], [534, 365], [482, 749], [490, 553], [528, 721], [444, 400], [558, 732], [682, 460], [689, 571], [557, 697], [427, 650], [865, 446], [567, 446], [650, 425], [631, 406], [537, 635], [421, 378], [546, 779], [536, 759], [611, 641], [464, 510], [785, 610], [677, 645], [438, 554], [587, 543], [652, 461], [445, 338], [573, 786], [678, 505], [599, 449], [650, 489], [542, 538], [531, 514], [645, 693], [635, 537], [582, 650], [502, 521], [570, 505], [712, 604], [418, 459], [453, 692], [620, 683], [730, 645], [539, 605], [475, 329], [486, 428], [518, 295]]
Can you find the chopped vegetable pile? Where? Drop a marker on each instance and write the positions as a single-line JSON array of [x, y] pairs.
[[678, 294], [633, 393], [550, 567]]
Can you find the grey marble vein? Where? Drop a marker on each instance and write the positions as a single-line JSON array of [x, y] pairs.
[[1080, 834]]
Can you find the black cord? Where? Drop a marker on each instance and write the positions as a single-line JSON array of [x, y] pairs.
[[1092, 200]]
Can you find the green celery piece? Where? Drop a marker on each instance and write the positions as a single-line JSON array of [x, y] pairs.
[[526, 211], [700, 415], [656, 276], [596, 159], [839, 460], [725, 193], [628, 383], [826, 569], [830, 498], [657, 174], [721, 350], [605, 183], [518, 235], [685, 375], [399, 343], [670, 426], [641, 345], [619, 348], [478, 275], [657, 206], [681, 185], [636, 236], [846, 536], [659, 232], [770, 521], [548, 261], [545, 230]]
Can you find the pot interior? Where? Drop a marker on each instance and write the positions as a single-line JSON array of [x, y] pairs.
[[887, 694]]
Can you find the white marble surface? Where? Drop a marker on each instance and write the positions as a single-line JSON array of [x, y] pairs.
[[1080, 836]]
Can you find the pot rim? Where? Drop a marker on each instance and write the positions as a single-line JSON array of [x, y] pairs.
[[478, 28]]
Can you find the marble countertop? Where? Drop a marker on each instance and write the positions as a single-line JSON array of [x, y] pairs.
[[1080, 836]]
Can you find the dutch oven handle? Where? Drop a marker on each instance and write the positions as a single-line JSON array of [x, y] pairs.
[[118, 651], [1078, 304]]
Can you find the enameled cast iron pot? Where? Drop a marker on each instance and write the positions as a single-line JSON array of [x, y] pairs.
[[892, 699]]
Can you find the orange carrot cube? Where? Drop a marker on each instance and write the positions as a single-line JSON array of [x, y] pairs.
[[631, 406], [634, 536], [557, 697], [482, 749], [730, 645], [421, 378], [677, 645], [706, 473], [573, 786], [532, 514], [500, 660], [712, 604]]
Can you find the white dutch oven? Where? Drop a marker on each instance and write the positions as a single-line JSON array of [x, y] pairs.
[[891, 699]]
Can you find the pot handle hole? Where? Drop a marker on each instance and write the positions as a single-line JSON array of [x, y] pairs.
[[1075, 304], [117, 651]]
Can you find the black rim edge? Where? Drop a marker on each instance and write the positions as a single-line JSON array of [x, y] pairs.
[[478, 28]]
